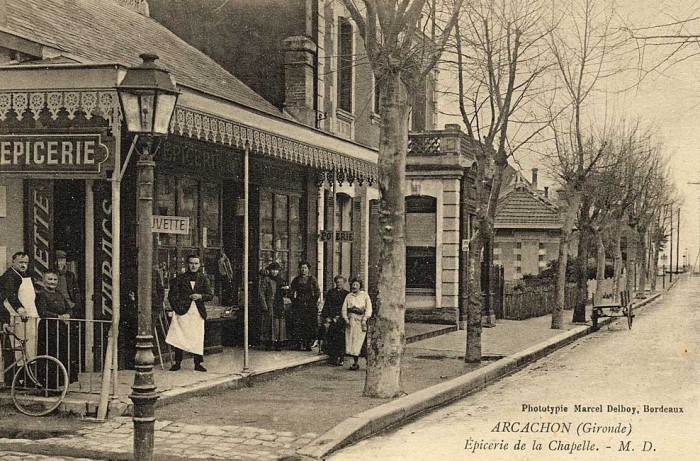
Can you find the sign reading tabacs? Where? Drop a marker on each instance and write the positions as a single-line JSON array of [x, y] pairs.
[[170, 225], [81, 155]]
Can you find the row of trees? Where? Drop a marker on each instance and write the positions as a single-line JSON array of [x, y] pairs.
[[528, 75]]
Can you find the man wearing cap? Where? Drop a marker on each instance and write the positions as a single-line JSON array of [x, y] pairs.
[[68, 286]]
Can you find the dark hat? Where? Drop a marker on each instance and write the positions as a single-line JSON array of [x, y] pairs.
[[274, 266], [60, 254]]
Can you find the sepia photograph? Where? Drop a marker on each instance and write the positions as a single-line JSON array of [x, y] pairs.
[[346, 230]]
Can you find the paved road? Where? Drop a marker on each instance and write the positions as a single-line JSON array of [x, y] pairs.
[[14, 456], [613, 374]]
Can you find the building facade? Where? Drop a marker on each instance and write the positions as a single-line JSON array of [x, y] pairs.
[[58, 95], [307, 58], [528, 228]]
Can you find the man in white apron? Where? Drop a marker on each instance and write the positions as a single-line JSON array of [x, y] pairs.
[[187, 295], [19, 310]]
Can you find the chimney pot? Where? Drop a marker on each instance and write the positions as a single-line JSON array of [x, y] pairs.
[[534, 178]]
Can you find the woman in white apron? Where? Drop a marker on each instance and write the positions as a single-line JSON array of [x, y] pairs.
[[25, 330]]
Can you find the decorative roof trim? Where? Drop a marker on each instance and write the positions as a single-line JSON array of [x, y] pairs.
[[206, 127], [103, 103]]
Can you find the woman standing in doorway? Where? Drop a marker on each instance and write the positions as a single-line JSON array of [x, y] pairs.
[[357, 309], [305, 293]]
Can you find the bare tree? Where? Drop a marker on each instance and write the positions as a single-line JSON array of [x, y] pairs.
[[500, 59], [584, 46], [401, 55]]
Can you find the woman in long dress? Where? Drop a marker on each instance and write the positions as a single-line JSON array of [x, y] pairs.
[[335, 326], [305, 293], [356, 311], [272, 291]]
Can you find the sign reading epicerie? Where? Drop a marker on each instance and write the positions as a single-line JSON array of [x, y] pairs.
[[52, 154]]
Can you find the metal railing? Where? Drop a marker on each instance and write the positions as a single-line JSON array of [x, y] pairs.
[[520, 304], [79, 344]]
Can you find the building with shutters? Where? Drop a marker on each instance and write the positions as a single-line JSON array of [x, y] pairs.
[[528, 228], [314, 68], [60, 64]]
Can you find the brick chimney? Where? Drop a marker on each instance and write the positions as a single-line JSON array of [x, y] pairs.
[[140, 6], [299, 59], [534, 178]]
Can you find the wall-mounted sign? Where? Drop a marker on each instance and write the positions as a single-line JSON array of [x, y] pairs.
[[340, 236], [53, 154], [170, 225]]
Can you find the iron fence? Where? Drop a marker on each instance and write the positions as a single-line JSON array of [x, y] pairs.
[[79, 344], [528, 302]]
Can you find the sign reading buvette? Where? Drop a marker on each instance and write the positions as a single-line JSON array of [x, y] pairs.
[[82, 154], [170, 225]]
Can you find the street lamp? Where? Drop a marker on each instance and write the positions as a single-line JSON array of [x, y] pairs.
[[147, 95]]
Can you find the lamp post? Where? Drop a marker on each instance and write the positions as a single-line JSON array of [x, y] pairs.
[[147, 94]]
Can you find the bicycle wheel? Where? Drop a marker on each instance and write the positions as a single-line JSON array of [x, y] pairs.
[[39, 386]]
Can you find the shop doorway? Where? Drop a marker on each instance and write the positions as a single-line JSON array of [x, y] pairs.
[[69, 225]]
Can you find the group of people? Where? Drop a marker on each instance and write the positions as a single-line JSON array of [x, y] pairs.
[[40, 312], [289, 314]]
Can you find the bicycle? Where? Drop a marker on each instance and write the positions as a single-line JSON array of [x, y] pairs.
[[40, 384]]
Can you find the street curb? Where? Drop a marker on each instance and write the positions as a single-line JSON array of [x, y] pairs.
[[379, 418]]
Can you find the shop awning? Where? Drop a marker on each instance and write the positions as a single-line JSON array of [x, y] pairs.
[[69, 89]]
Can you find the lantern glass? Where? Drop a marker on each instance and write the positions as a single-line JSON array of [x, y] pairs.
[[164, 112], [147, 108], [132, 113]]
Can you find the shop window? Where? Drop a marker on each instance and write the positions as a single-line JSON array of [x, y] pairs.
[[280, 231], [421, 230], [345, 65], [201, 202], [343, 248]]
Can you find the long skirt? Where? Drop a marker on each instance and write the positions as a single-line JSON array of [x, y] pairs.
[[305, 323], [354, 336], [335, 339], [272, 327]]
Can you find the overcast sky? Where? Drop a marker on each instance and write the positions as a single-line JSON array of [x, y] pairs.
[[667, 100]]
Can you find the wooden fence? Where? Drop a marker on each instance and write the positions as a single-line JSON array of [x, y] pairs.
[[534, 301]]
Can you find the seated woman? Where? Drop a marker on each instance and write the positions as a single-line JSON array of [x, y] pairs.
[[54, 337], [357, 309]]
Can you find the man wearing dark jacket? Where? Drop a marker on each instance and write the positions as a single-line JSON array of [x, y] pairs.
[[188, 293]]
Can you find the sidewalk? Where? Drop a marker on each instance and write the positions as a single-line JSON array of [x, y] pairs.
[[225, 371], [520, 341]]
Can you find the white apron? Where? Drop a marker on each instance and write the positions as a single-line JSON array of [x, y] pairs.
[[25, 330], [186, 332]]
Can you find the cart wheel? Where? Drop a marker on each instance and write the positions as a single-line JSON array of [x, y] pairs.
[[630, 316]]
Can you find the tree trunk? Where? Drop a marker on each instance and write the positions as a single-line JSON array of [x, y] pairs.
[[630, 264], [655, 244], [475, 305], [574, 200], [600, 268], [387, 336], [582, 264], [643, 265], [617, 258]]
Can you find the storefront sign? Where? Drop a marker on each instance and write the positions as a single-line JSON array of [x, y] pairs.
[[39, 236], [340, 236], [170, 225], [77, 154], [103, 250]]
